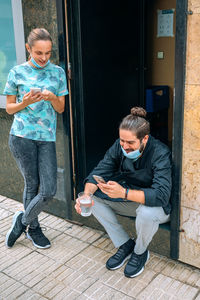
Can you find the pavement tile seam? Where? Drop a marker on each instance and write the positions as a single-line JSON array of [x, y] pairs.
[[100, 290], [27, 243], [76, 237], [12, 261], [25, 284], [86, 288], [169, 267], [32, 247], [32, 260], [86, 240], [167, 286], [70, 282], [43, 253], [178, 279], [14, 281]]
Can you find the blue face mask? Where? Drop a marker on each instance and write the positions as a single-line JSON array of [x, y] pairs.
[[36, 64], [134, 155]]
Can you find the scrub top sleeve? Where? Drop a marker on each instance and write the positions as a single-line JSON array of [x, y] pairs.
[[62, 90], [10, 87]]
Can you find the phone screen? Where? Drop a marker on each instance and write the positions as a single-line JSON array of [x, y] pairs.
[[35, 90], [99, 179]]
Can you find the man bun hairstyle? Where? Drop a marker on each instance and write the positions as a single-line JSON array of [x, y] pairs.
[[38, 34], [136, 122], [138, 112]]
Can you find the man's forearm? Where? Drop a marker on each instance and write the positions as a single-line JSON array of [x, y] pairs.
[[136, 196], [90, 188]]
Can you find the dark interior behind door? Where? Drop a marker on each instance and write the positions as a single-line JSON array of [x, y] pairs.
[[111, 66]]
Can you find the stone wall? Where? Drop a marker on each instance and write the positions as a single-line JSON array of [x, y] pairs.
[[42, 14], [190, 199]]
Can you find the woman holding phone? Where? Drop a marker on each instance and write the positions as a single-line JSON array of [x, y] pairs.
[[35, 92]]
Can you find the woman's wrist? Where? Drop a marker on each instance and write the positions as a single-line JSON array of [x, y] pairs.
[[54, 98], [20, 106], [23, 104]]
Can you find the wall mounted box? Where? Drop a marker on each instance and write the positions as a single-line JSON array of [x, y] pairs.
[[157, 98]]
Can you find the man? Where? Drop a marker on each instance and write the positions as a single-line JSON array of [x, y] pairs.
[[137, 171]]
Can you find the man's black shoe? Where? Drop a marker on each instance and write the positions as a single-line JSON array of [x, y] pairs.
[[119, 258], [136, 263], [38, 238], [16, 229]]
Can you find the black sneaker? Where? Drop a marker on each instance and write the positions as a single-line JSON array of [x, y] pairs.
[[119, 258], [16, 229], [38, 238], [136, 263]]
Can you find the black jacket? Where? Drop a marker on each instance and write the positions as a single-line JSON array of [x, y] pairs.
[[151, 173]]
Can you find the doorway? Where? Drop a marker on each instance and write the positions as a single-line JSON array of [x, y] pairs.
[[108, 52], [111, 65], [116, 53]]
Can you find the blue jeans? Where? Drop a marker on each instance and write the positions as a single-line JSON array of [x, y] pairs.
[[37, 163]]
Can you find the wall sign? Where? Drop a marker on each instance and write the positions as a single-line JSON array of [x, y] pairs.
[[165, 22]]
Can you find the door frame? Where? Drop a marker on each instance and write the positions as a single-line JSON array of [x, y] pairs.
[[74, 23], [178, 115], [74, 37], [62, 45]]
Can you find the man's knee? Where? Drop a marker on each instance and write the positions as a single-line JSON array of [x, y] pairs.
[[145, 214]]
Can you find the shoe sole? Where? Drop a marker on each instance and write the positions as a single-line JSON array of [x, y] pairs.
[[138, 273], [119, 266], [13, 224], [34, 244]]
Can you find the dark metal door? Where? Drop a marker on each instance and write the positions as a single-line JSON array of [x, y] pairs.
[[110, 74]]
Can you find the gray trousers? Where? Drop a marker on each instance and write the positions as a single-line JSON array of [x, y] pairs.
[[147, 221]]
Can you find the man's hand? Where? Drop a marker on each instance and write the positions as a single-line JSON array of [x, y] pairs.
[[77, 205], [112, 189]]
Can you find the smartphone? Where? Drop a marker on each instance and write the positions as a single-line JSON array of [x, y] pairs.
[[35, 90], [99, 179]]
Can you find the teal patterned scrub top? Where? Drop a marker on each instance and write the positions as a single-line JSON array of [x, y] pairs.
[[38, 120]]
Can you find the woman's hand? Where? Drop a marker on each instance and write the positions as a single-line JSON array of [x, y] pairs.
[[112, 189], [30, 98], [58, 102], [48, 96]]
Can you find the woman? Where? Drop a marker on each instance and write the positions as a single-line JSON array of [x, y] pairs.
[[35, 93]]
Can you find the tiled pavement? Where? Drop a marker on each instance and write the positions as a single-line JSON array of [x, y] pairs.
[[74, 267]]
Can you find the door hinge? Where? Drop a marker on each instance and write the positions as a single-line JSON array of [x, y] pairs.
[[74, 179], [69, 71]]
